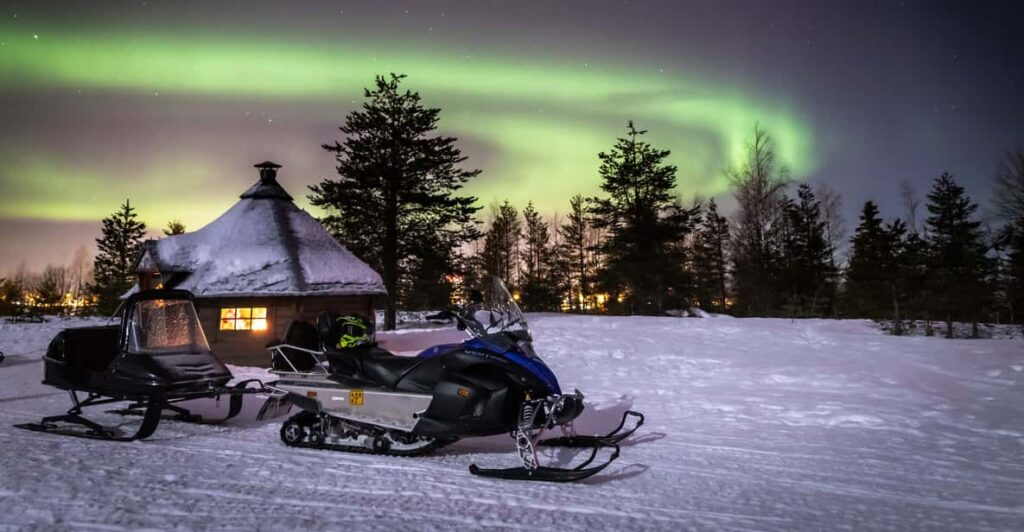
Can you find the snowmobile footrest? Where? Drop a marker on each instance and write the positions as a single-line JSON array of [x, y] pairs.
[[549, 474], [612, 438]]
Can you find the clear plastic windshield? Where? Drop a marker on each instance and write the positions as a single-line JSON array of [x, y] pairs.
[[492, 309], [165, 326]]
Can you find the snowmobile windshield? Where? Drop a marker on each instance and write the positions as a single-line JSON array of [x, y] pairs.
[[496, 311], [165, 326]]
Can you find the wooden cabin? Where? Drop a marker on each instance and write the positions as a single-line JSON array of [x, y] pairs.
[[260, 265]]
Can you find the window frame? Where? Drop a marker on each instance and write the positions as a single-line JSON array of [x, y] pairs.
[[248, 315]]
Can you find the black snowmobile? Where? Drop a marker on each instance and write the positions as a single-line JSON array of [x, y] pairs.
[[355, 396], [156, 358]]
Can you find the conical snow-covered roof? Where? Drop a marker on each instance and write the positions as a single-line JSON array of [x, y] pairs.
[[262, 246]]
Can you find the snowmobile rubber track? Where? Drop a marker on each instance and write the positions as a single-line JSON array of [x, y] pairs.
[[433, 446], [386, 451]]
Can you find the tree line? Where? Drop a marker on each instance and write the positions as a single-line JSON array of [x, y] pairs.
[[637, 249]]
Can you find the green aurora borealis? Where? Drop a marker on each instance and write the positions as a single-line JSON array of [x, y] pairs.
[[541, 120]]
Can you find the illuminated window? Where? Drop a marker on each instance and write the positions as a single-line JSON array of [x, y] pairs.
[[243, 319]]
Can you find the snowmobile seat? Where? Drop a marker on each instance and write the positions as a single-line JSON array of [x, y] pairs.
[[91, 348], [371, 363], [75, 355], [301, 334]]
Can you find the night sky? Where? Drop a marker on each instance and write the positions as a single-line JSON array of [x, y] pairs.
[[170, 103]]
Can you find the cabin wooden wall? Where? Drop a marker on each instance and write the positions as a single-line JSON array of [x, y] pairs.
[[248, 348]]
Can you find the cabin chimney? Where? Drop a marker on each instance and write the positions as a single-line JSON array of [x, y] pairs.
[[267, 187], [268, 172]]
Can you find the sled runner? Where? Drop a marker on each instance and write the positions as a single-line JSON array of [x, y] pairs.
[[156, 358], [355, 396]]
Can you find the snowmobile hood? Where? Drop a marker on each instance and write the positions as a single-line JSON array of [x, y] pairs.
[[171, 373]]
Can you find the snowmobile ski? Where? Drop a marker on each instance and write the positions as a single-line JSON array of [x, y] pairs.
[[612, 438], [550, 474], [74, 424]]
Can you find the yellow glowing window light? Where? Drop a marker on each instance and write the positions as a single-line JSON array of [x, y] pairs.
[[243, 319]]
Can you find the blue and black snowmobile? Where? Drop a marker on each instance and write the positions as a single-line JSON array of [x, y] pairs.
[[355, 396]]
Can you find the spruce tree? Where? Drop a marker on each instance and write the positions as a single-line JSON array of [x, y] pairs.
[[395, 194], [574, 250], [119, 247], [540, 284], [643, 252], [710, 264], [174, 227], [867, 279], [960, 268], [501, 253], [807, 254]]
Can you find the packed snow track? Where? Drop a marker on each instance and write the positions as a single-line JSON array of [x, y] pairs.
[[752, 424]]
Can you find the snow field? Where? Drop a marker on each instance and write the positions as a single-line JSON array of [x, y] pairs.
[[752, 424]]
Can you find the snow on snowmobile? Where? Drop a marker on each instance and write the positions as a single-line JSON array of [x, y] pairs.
[[355, 396], [156, 358]]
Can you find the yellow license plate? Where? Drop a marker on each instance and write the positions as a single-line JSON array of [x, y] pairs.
[[355, 397]]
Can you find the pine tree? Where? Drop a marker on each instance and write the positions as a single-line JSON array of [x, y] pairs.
[[710, 263], [643, 252], [174, 227], [541, 280], [501, 253], [809, 272], [960, 268], [759, 184], [119, 247], [395, 193], [575, 251], [867, 278]]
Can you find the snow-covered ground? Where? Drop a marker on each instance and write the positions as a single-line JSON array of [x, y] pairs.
[[753, 424]]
